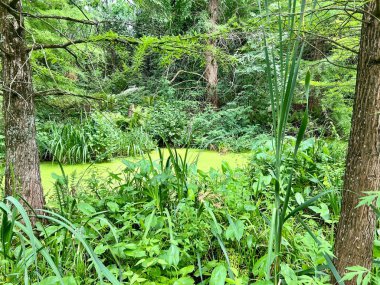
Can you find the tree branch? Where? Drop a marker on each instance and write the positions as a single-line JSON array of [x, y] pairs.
[[130, 41], [184, 71], [74, 56], [70, 19], [56, 17], [79, 8], [327, 58], [58, 92], [331, 41]]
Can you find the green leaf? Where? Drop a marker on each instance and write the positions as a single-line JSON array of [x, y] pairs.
[[306, 204], [101, 269], [100, 249], [114, 207], [86, 208], [219, 275], [358, 272], [368, 199], [299, 198], [69, 280], [271, 254], [323, 210], [138, 253], [184, 281], [329, 262], [173, 255], [51, 280], [186, 270], [289, 275], [235, 230]]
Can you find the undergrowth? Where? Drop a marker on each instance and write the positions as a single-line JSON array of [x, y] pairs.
[[167, 222]]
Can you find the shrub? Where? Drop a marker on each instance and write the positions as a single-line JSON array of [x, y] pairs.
[[229, 129], [319, 166], [134, 142], [170, 121]]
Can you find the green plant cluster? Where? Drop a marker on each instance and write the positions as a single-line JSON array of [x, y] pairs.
[[137, 126], [319, 167], [229, 129], [98, 137], [167, 222]]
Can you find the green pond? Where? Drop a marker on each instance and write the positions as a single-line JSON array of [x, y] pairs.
[[206, 160]]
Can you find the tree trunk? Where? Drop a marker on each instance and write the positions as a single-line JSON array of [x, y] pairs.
[[356, 228], [22, 172], [211, 72]]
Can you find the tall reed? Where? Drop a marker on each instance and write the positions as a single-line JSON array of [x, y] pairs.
[[283, 57]]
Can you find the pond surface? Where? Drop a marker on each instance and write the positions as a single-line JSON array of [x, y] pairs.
[[206, 160]]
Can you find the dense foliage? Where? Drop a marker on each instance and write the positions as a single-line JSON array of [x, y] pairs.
[[167, 222], [135, 81], [162, 78]]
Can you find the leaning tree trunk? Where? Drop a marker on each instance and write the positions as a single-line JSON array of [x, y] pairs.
[[22, 172], [355, 232], [211, 71]]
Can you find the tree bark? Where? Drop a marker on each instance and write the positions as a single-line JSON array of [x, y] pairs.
[[22, 172], [356, 228], [211, 71]]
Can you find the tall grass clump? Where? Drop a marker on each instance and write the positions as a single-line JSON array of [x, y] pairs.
[[283, 56], [44, 253], [96, 138]]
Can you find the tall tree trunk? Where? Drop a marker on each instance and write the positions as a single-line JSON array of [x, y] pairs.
[[211, 72], [22, 172], [355, 232]]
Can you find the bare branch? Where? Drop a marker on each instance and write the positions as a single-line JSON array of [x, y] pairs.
[[184, 71]]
